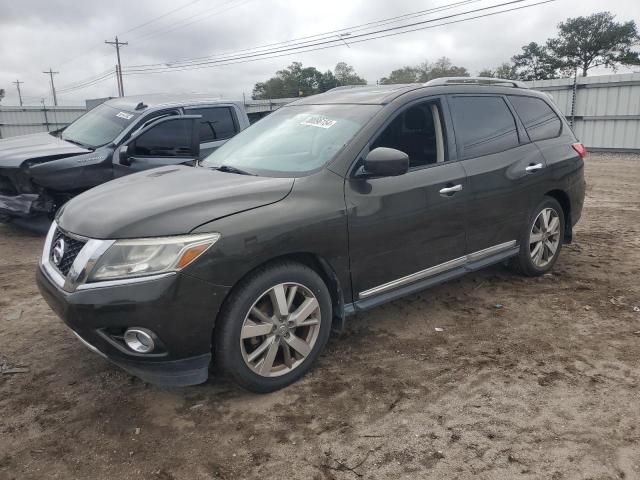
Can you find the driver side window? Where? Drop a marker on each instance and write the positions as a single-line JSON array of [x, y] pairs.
[[168, 139], [416, 131]]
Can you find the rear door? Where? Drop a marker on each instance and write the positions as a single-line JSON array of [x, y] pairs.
[[504, 169], [400, 227], [217, 125]]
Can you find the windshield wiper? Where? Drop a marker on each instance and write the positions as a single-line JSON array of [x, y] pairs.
[[230, 169], [75, 142]]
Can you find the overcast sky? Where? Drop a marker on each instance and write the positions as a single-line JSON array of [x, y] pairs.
[[68, 36]]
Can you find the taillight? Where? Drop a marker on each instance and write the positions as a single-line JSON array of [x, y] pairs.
[[578, 147]]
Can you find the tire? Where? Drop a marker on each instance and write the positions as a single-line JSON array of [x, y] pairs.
[[261, 309], [530, 262]]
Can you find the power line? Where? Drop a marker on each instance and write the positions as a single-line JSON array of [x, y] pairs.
[[97, 45], [17, 84], [332, 42], [198, 18], [325, 35], [159, 17], [51, 73], [89, 81]]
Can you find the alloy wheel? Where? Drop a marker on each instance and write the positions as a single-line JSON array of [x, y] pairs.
[[280, 329], [544, 238]]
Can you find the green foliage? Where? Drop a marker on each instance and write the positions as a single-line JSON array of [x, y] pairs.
[[536, 63], [299, 81], [505, 70], [2, 92], [346, 75], [424, 72], [402, 75], [593, 41], [441, 68]]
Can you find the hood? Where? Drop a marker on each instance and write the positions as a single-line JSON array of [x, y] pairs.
[[38, 146], [166, 201]]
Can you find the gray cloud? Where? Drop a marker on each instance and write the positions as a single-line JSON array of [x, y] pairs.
[[69, 36]]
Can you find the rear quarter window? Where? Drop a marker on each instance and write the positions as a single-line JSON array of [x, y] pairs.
[[483, 125], [539, 119]]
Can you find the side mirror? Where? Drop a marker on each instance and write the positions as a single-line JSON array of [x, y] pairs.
[[385, 162], [123, 156]]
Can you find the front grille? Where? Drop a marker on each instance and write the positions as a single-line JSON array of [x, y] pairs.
[[71, 248]]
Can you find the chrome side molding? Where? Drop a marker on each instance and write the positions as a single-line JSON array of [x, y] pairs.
[[437, 269]]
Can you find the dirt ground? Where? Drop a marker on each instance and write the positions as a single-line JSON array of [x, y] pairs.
[[547, 386]]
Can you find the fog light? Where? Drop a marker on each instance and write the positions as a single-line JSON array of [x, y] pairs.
[[139, 340]]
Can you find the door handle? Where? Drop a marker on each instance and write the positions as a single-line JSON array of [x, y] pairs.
[[451, 190], [533, 168]]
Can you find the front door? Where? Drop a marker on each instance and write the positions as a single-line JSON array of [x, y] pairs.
[[404, 229], [168, 141]]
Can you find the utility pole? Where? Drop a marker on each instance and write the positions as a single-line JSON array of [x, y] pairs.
[[51, 73], [17, 83], [118, 81], [118, 44]]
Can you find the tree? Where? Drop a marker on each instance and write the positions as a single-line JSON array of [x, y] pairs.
[[536, 63], [402, 75], [296, 80], [1, 94], [505, 70], [425, 72], [346, 75], [441, 68], [596, 40]]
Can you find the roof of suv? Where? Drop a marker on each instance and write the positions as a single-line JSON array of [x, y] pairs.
[[382, 94], [165, 100]]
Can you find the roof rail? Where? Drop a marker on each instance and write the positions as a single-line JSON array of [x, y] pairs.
[[487, 81]]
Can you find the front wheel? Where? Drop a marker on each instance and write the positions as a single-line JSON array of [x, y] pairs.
[[273, 327], [542, 241]]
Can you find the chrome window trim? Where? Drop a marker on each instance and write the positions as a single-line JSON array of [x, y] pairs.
[[440, 268]]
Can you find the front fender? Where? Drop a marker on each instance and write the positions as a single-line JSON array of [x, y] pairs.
[[74, 173]]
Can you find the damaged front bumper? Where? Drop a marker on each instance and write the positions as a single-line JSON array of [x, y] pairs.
[[18, 205]]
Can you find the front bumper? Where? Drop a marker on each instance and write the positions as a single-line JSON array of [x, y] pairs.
[[178, 308]]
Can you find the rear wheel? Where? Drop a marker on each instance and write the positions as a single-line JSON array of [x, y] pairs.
[[542, 241], [273, 327]]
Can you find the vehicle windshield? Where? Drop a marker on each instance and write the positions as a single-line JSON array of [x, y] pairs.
[[292, 140], [98, 126]]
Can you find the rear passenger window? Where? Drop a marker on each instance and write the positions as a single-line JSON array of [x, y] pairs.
[[216, 123], [540, 121], [483, 125]]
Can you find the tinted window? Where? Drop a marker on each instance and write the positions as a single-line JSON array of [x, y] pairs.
[[539, 119], [414, 133], [168, 139], [483, 125], [215, 124]]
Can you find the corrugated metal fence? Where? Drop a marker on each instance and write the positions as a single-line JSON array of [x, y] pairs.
[[23, 120], [606, 112]]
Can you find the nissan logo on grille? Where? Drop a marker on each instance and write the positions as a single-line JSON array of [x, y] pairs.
[[58, 251]]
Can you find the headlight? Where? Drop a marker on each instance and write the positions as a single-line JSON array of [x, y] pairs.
[[148, 256]]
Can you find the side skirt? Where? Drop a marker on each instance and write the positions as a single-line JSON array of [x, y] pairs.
[[471, 266]]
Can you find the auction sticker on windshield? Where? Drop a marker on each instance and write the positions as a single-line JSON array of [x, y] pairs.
[[126, 116], [319, 121]]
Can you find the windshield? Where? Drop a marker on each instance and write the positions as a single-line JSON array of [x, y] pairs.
[[293, 139], [98, 126]]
